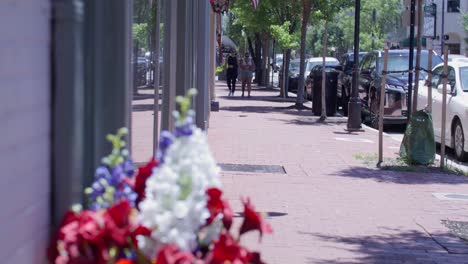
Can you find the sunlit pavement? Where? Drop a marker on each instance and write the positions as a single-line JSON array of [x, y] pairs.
[[328, 207]]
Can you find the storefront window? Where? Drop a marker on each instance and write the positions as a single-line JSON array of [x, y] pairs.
[[453, 6]]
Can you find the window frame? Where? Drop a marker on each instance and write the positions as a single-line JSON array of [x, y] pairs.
[[453, 9]]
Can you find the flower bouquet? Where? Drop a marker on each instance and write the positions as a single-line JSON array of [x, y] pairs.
[[171, 211]]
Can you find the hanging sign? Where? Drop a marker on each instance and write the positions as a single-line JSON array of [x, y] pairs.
[[430, 15]]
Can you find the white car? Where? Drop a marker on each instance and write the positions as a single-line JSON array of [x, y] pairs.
[[457, 105]]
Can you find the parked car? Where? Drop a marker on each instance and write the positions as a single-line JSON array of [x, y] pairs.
[[142, 68], [396, 90], [457, 102], [293, 71], [293, 75], [452, 57], [314, 65], [278, 62], [345, 78]]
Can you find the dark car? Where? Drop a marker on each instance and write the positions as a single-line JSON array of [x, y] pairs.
[[396, 90], [345, 79], [314, 71], [142, 69], [293, 75]]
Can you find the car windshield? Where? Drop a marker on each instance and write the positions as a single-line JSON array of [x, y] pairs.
[[279, 60], [294, 66], [464, 78], [399, 62], [311, 65]]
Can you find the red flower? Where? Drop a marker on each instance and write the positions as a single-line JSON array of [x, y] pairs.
[[117, 222], [52, 250], [227, 250], [171, 254], [119, 228], [91, 227], [253, 220], [125, 261], [82, 237], [217, 206], [256, 258], [144, 173]]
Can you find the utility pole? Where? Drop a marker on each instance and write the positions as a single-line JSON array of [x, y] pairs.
[[374, 19], [354, 105], [411, 58], [273, 62], [418, 57], [442, 31]]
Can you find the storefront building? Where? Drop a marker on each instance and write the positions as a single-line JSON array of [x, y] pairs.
[[66, 82]]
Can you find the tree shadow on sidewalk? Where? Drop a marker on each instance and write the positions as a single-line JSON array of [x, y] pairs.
[[143, 107], [311, 120], [394, 247], [392, 175]]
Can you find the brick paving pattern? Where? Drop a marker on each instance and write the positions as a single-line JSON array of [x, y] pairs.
[[328, 207]]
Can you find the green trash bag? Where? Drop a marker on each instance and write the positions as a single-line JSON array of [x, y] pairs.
[[418, 145]]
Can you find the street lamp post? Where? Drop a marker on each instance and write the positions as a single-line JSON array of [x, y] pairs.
[[354, 105]]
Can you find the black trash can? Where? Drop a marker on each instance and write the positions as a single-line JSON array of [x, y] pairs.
[[331, 87]]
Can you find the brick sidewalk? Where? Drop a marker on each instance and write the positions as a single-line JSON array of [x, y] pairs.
[[328, 207]]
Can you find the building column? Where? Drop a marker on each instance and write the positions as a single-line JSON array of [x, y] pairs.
[[202, 64], [68, 107], [108, 47], [186, 58], [212, 55]]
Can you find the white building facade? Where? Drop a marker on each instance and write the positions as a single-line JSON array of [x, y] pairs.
[[60, 61], [451, 20]]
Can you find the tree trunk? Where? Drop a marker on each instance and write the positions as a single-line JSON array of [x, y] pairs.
[[282, 84], [287, 60], [306, 9], [265, 58], [258, 59], [323, 116]]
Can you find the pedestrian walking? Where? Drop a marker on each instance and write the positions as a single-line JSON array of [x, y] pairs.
[[232, 72], [247, 67]]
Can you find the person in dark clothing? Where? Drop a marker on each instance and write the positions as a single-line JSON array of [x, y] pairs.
[[231, 72]]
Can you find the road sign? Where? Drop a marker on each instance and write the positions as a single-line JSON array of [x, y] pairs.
[[430, 9], [429, 27], [430, 15]]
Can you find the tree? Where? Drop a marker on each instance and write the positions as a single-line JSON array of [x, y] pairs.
[[286, 42], [326, 11], [465, 25], [306, 10], [140, 36], [257, 23], [336, 38], [387, 19]]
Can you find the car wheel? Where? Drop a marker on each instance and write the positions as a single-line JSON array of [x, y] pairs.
[[459, 142], [374, 111]]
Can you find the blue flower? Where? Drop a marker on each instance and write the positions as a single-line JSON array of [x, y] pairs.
[[165, 141], [128, 168]]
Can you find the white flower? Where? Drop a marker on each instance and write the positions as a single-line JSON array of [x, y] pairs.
[[175, 204]]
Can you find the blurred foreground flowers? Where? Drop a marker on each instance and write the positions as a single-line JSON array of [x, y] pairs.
[[171, 211]]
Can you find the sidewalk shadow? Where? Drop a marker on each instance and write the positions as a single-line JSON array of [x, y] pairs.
[[144, 107], [395, 175], [397, 247], [311, 120]]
